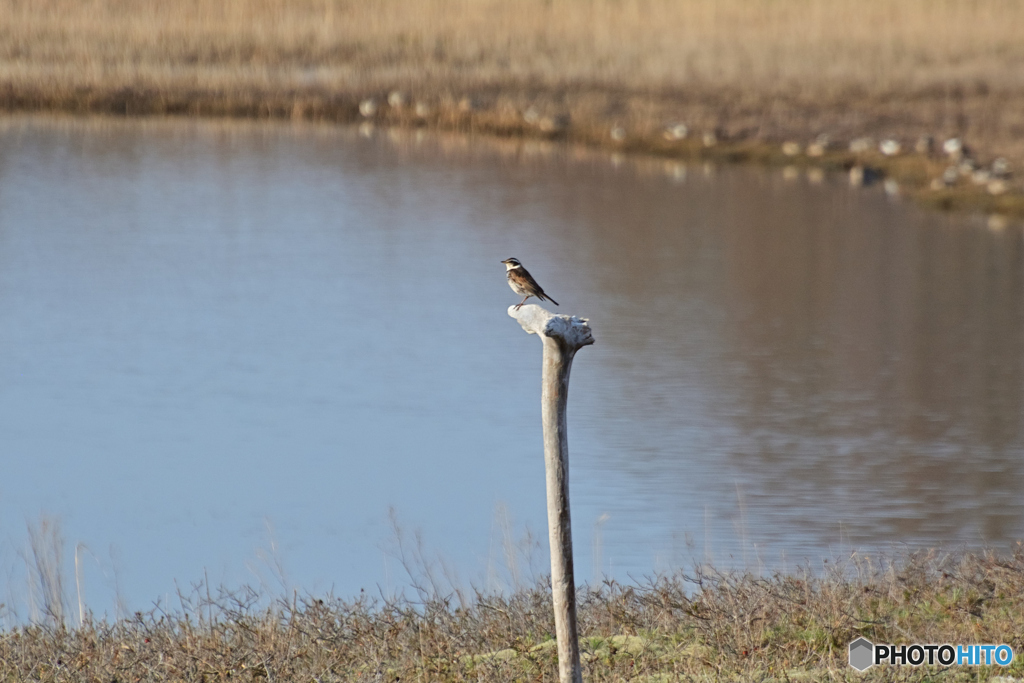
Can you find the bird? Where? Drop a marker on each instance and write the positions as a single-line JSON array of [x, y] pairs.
[[522, 283]]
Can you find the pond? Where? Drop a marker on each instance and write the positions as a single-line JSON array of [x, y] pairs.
[[280, 355]]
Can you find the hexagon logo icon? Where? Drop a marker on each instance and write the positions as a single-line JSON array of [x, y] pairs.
[[862, 653]]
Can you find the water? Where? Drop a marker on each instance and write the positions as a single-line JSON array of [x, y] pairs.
[[228, 350]]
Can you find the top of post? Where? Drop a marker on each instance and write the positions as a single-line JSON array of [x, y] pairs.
[[572, 331]]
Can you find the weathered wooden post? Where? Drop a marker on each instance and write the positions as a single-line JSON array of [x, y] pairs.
[[562, 336]]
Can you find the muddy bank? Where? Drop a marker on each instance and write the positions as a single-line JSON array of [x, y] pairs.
[[901, 144]]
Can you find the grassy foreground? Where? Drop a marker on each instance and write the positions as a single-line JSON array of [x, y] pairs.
[[708, 626], [745, 76]]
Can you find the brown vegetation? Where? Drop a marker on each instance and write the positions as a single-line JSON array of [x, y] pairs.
[[708, 626], [747, 74], [814, 48]]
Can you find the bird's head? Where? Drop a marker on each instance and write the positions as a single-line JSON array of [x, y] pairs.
[[511, 263]]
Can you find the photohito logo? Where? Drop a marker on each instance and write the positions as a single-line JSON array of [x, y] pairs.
[[864, 654]]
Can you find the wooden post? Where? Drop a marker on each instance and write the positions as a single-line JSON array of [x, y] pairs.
[[562, 336]]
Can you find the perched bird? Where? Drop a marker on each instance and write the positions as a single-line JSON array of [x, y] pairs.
[[522, 283]]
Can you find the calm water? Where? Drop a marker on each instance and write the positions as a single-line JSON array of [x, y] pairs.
[[226, 351]]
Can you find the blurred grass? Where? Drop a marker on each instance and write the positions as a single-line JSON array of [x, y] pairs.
[[749, 71], [767, 46]]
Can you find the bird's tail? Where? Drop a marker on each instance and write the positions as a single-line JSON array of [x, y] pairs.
[[545, 296]]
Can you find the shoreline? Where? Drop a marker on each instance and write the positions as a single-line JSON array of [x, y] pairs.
[[644, 126], [748, 82]]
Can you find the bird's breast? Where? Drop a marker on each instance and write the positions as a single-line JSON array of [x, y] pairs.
[[516, 285]]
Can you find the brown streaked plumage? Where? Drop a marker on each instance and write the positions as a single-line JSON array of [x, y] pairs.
[[522, 283]]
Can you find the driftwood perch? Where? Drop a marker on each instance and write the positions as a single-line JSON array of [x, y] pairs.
[[562, 336]]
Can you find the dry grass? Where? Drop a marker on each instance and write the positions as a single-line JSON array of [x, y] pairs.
[[707, 626], [754, 72], [810, 46], [822, 51]]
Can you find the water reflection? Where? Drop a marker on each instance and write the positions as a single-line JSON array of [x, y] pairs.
[[892, 349], [856, 361], [204, 326]]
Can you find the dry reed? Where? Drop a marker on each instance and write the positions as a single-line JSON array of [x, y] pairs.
[[810, 46], [775, 69], [746, 75]]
